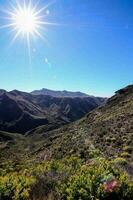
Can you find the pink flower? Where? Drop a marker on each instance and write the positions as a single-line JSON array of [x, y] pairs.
[[110, 185]]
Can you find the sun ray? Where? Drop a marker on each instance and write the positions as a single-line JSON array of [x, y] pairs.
[[29, 51], [7, 26], [48, 23], [26, 20], [42, 37], [16, 36], [44, 8]]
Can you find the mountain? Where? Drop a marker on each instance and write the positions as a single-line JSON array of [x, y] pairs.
[[108, 128], [54, 93], [21, 111], [91, 158]]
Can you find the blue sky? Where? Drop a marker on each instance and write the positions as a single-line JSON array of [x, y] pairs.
[[90, 51]]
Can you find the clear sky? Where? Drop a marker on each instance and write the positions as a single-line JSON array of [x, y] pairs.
[[91, 50]]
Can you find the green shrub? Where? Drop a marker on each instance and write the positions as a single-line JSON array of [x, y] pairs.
[[125, 155], [108, 139], [120, 161], [127, 149], [113, 139], [92, 182], [68, 179], [15, 186]]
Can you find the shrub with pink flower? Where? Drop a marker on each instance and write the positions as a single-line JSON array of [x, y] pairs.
[[110, 185]]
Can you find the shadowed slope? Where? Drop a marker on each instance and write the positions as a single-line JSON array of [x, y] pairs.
[[21, 111]]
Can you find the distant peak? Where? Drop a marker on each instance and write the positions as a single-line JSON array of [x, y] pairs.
[[57, 93], [15, 92]]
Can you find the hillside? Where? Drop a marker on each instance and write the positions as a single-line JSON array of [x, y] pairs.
[[108, 128], [21, 111], [91, 158]]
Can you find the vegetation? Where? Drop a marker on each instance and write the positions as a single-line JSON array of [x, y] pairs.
[[71, 178]]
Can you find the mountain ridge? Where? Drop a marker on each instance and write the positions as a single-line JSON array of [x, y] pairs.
[[58, 93], [22, 111]]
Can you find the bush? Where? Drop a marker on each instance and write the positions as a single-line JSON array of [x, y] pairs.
[[99, 181], [15, 186], [68, 179], [113, 139], [127, 149], [120, 161], [125, 155]]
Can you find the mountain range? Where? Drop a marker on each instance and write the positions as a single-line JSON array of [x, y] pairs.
[[56, 93], [21, 111]]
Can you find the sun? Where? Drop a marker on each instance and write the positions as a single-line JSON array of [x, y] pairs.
[[25, 20]]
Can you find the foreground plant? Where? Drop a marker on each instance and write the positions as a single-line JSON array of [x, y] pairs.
[[68, 179]]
